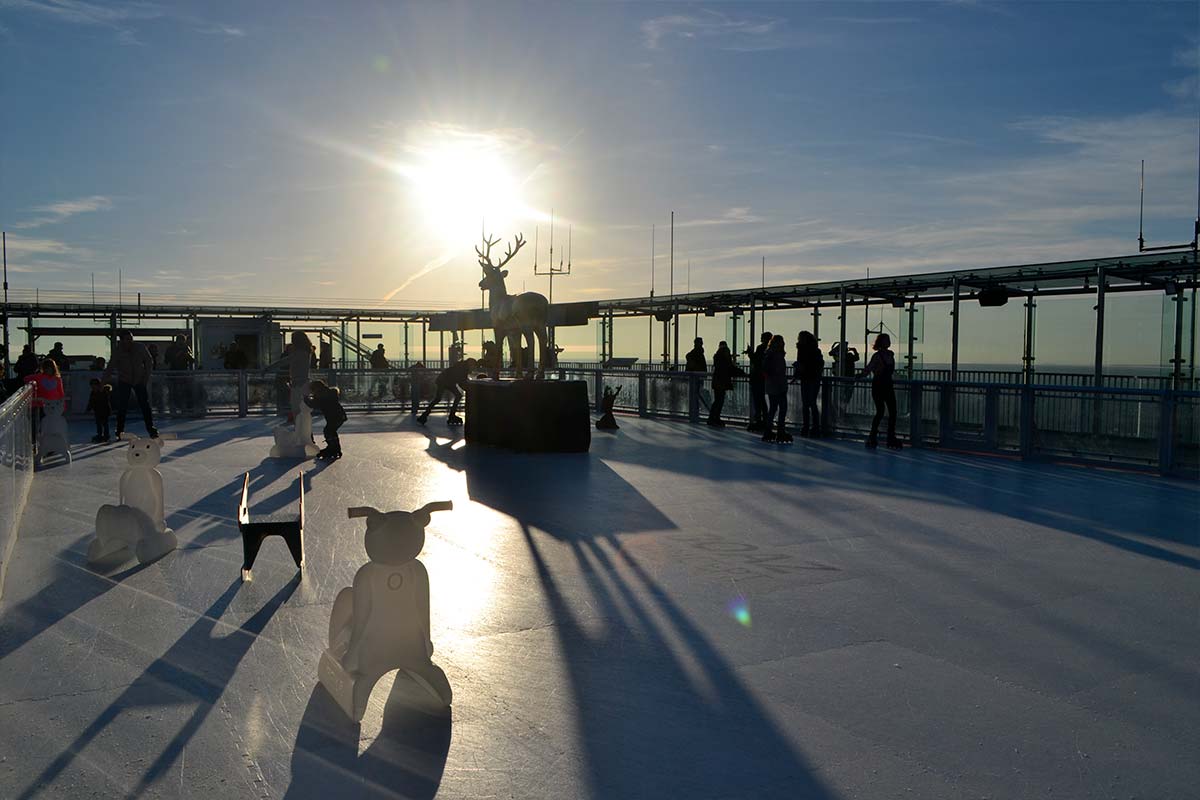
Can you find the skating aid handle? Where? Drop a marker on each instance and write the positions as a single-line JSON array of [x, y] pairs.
[[360, 511]]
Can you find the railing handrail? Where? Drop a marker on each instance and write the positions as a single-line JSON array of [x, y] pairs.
[[13, 401]]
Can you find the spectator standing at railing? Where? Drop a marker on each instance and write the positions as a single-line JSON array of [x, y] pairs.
[[844, 358], [809, 368], [722, 381], [27, 363], [47, 386], [695, 361], [59, 358], [179, 358], [98, 364], [132, 366], [881, 367], [235, 357], [379, 362], [758, 396]]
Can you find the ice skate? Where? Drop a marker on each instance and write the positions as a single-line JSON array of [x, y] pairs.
[[423, 418], [895, 444], [454, 419], [768, 436], [872, 443], [783, 437]]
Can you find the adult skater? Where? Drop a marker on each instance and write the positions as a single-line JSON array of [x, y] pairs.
[[452, 379], [881, 367], [809, 369], [775, 384], [722, 381], [298, 358], [758, 396], [131, 365]]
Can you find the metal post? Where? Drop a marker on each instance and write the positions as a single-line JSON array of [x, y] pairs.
[[442, 348], [424, 344], [675, 356], [1177, 361], [915, 391], [912, 334], [642, 381], [406, 343], [694, 384], [358, 342], [1028, 356], [1166, 432], [842, 339], [954, 334], [816, 315], [1098, 378], [753, 341], [4, 245]]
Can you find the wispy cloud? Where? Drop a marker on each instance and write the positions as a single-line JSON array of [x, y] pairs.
[[120, 17], [718, 29], [55, 213], [22, 246], [732, 216], [1187, 87]]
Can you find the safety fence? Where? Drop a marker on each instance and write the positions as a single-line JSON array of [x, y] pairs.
[[1156, 428], [16, 469]]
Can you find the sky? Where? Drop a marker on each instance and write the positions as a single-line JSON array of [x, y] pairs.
[[314, 151]]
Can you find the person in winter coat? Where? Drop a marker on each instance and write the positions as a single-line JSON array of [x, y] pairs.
[[57, 355], [881, 368], [695, 360], [131, 365], [758, 397], [452, 379], [26, 364], [322, 398], [722, 381], [100, 404], [47, 386], [775, 383], [809, 368]]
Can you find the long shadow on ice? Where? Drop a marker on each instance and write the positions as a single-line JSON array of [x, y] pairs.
[[195, 670]]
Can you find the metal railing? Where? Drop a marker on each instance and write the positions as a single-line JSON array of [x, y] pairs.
[[16, 469], [1153, 428]]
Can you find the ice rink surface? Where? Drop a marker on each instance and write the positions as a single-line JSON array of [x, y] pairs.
[[680, 613]]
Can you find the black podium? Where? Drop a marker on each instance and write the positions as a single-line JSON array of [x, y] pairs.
[[530, 416]]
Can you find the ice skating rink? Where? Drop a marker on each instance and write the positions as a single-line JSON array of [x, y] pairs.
[[680, 613]]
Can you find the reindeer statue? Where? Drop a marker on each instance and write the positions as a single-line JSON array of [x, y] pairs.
[[518, 318]]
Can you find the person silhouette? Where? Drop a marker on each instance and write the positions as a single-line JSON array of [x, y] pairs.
[[131, 364], [722, 381], [844, 358], [809, 368], [758, 396], [881, 368], [695, 361], [775, 385], [452, 379]]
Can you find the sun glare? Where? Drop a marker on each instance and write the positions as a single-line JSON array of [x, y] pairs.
[[459, 183]]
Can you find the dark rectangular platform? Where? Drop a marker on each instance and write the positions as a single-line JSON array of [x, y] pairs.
[[531, 416]]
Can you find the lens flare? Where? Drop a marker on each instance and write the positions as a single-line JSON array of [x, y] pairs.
[[739, 610]]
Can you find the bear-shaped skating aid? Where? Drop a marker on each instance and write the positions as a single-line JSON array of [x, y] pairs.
[[52, 432], [296, 442], [381, 623], [138, 521]]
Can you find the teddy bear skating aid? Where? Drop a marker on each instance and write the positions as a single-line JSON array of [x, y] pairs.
[[138, 521], [52, 432], [381, 623], [296, 442]]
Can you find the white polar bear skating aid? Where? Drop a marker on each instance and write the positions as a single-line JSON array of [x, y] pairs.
[[297, 442], [52, 432], [138, 522], [381, 623]]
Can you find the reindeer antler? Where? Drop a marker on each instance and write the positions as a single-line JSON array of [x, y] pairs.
[[485, 255]]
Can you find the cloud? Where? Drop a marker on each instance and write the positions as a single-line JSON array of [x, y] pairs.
[[732, 216], [119, 17], [723, 31], [55, 213], [21, 245]]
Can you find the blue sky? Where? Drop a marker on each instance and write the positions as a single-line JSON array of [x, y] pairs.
[[322, 150]]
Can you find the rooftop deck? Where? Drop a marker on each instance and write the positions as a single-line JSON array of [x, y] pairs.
[[681, 612]]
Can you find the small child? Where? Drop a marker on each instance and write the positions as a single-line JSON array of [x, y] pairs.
[[325, 399], [100, 404]]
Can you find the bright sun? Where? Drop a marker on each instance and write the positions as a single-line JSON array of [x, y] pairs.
[[459, 184]]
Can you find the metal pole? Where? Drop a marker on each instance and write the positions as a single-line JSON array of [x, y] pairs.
[[1027, 357], [912, 334], [405, 343], [424, 343], [764, 288], [954, 334], [358, 342], [816, 315], [1098, 377], [650, 320], [675, 308], [842, 340], [1177, 373], [753, 341], [4, 244]]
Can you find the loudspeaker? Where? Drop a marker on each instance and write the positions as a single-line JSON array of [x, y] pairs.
[[993, 296]]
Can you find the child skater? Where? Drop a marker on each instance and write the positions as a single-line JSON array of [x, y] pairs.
[[322, 398], [47, 386], [883, 392], [100, 404]]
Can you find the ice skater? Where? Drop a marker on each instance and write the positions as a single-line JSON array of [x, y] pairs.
[[809, 369], [775, 384], [452, 379], [881, 368], [100, 404], [322, 398], [758, 396], [131, 365]]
